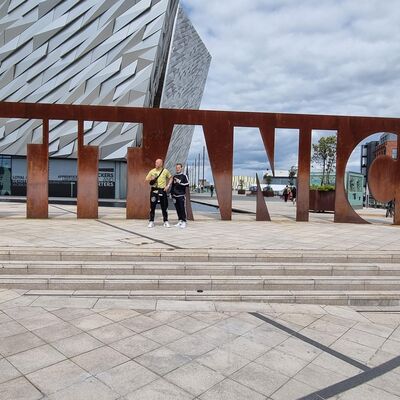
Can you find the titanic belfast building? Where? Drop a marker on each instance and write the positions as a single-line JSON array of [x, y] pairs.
[[139, 53]]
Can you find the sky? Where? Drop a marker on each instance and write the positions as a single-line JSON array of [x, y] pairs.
[[311, 56]]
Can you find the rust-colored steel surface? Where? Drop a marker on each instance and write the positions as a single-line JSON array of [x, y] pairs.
[[189, 211], [218, 129], [382, 174], [218, 134], [262, 213], [322, 201], [88, 178], [157, 132], [303, 175], [37, 192]]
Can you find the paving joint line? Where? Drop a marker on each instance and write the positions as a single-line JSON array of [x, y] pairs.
[[139, 234], [312, 342], [354, 381], [126, 230]]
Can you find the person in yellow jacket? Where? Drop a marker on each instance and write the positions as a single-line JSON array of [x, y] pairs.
[[160, 180]]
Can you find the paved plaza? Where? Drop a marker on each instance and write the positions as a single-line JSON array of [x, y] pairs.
[[59, 346], [97, 348]]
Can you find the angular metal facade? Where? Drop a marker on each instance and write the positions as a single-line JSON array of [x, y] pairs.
[[113, 52]]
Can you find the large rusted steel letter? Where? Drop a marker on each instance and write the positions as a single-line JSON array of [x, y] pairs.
[[303, 175], [346, 141], [37, 196], [268, 137], [262, 213], [157, 133], [88, 178], [218, 133]]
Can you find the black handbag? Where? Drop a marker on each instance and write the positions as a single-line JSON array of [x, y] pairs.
[[153, 181]]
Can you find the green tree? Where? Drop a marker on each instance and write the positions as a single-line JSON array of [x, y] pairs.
[[267, 178], [292, 174], [324, 154]]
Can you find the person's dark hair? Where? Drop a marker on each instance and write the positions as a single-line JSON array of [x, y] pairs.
[[179, 164]]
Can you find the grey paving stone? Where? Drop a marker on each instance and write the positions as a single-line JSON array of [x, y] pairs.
[[364, 338], [334, 364], [168, 305], [17, 343], [367, 392], [167, 316], [140, 323], [37, 358], [58, 331], [99, 360], [246, 348], [163, 334], [22, 312], [89, 322], [231, 390], [299, 349], [260, 378], [267, 338], [19, 389], [118, 315], [235, 326], [222, 361], [188, 324], [126, 378], [194, 378], [90, 389], [215, 336], [389, 382], [7, 371], [209, 317], [135, 345], [111, 333], [11, 328], [281, 362], [191, 346], [319, 377], [39, 321], [159, 390], [391, 346], [162, 360], [68, 314], [136, 304], [77, 344], [56, 377], [292, 390], [354, 350]]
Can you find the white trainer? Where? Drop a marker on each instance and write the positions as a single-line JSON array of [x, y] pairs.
[[183, 224], [151, 224], [167, 225], [178, 224]]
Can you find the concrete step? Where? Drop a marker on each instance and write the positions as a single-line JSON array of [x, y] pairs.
[[196, 268], [196, 255], [121, 298], [200, 282]]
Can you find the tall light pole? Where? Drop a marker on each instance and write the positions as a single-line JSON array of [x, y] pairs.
[[199, 171], [204, 151]]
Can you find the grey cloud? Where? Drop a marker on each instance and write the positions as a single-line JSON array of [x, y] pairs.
[[331, 57]]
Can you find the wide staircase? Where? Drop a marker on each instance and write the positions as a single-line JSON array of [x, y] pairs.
[[342, 277]]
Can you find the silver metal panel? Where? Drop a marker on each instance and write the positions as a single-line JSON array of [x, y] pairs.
[[112, 52]]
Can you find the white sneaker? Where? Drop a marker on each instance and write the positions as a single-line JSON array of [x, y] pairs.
[[151, 224], [178, 224], [183, 225], [167, 225]]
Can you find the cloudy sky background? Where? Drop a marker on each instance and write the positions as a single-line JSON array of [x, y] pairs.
[[318, 57]]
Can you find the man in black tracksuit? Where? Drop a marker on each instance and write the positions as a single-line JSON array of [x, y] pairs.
[[179, 184]]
